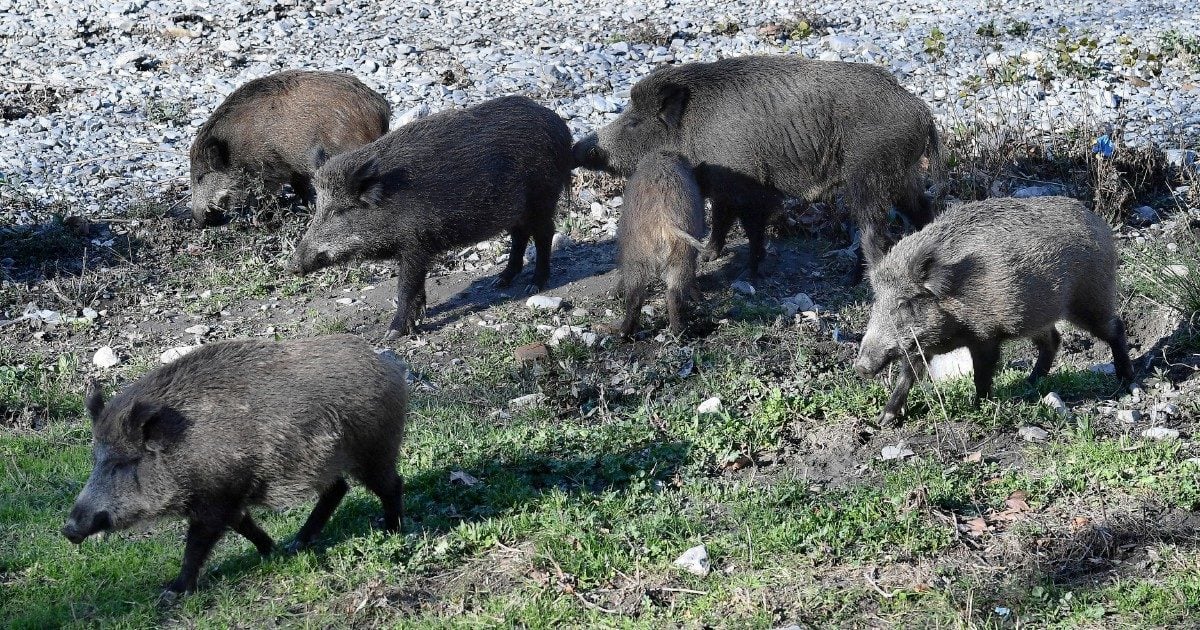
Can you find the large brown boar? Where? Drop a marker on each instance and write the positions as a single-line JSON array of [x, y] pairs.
[[661, 223], [452, 179], [242, 423], [269, 129], [761, 128], [989, 271]]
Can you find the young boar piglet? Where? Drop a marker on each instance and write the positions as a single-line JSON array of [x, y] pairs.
[[762, 128], [242, 423], [268, 129], [661, 223], [450, 180], [989, 271]]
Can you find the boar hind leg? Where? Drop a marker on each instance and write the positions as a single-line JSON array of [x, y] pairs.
[[722, 219], [681, 284], [1106, 326], [516, 256], [984, 357], [252, 532], [634, 289], [326, 504], [543, 240], [1047, 343], [389, 487], [202, 536]]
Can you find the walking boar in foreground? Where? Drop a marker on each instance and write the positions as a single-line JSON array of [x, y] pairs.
[[661, 223], [985, 272], [762, 128], [450, 180], [242, 423], [268, 130]]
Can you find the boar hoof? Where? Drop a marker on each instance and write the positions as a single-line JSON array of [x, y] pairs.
[[392, 335], [889, 419], [709, 254]]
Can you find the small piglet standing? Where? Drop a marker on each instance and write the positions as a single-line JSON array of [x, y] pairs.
[[988, 271], [662, 222], [450, 180], [242, 423]]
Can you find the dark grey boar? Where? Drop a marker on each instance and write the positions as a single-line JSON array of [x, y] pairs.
[[989, 271], [452, 179], [661, 223], [242, 423], [762, 128], [268, 130]]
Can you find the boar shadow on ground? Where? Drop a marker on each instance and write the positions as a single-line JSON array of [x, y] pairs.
[[435, 504]]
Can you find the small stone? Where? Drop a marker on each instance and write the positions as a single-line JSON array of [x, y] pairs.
[[1103, 368], [172, 354], [1169, 410], [712, 405], [544, 302], [346, 301], [1160, 433], [899, 451], [951, 365], [694, 560], [206, 294], [527, 400], [90, 314], [1037, 191], [1033, 434], [1129, 416], [532, 352], [463, 479], [1146, 215], [802, 301], [743, 287], [416, 113], [229, 46], [198, 329], [105, 358], [1175, 271], [1055, 402]]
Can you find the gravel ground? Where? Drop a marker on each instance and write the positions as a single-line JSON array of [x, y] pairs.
[[101, 99]]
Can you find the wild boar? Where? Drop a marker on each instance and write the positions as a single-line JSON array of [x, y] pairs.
[[268, 129], [242, 423], [763, 128], [452, 179], [658, 233], [989, 271]]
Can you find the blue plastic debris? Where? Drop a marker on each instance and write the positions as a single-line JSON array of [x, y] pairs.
[[1103, 146]]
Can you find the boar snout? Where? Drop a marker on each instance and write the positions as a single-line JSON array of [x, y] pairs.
[[307, 259], [83, 523], [588, 154]]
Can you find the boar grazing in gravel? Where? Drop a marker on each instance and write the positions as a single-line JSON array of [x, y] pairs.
[[268, 130], [661, 223], [759, 129], [985, 272], [242, 423], [450, 180]]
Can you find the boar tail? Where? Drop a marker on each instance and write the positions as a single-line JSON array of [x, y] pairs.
[[688, 238]]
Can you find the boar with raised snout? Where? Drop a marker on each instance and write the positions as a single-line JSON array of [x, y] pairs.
[[658, 233], [989, 271], [267, 131], [450, 180], [762, 128], [242, 423]]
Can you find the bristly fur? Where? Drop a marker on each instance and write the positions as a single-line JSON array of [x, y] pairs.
[[271, 126], [661, 223], [759, 128], [989, 271], [242, 423]]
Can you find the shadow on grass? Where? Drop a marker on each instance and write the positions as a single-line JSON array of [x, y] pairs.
[[120, 585]]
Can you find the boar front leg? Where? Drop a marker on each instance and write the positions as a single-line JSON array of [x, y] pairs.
[[410, 295], [202, 536], [984, 357], [891, 411], [722, 220], [516, 256]]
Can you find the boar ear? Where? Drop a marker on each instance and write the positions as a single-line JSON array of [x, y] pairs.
[[939, 277], [367, 182], [216, 153], [157, 426], [93, 400], [317, 157], [673, 103]]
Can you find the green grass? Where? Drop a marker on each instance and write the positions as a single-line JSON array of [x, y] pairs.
[[586, 498]]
